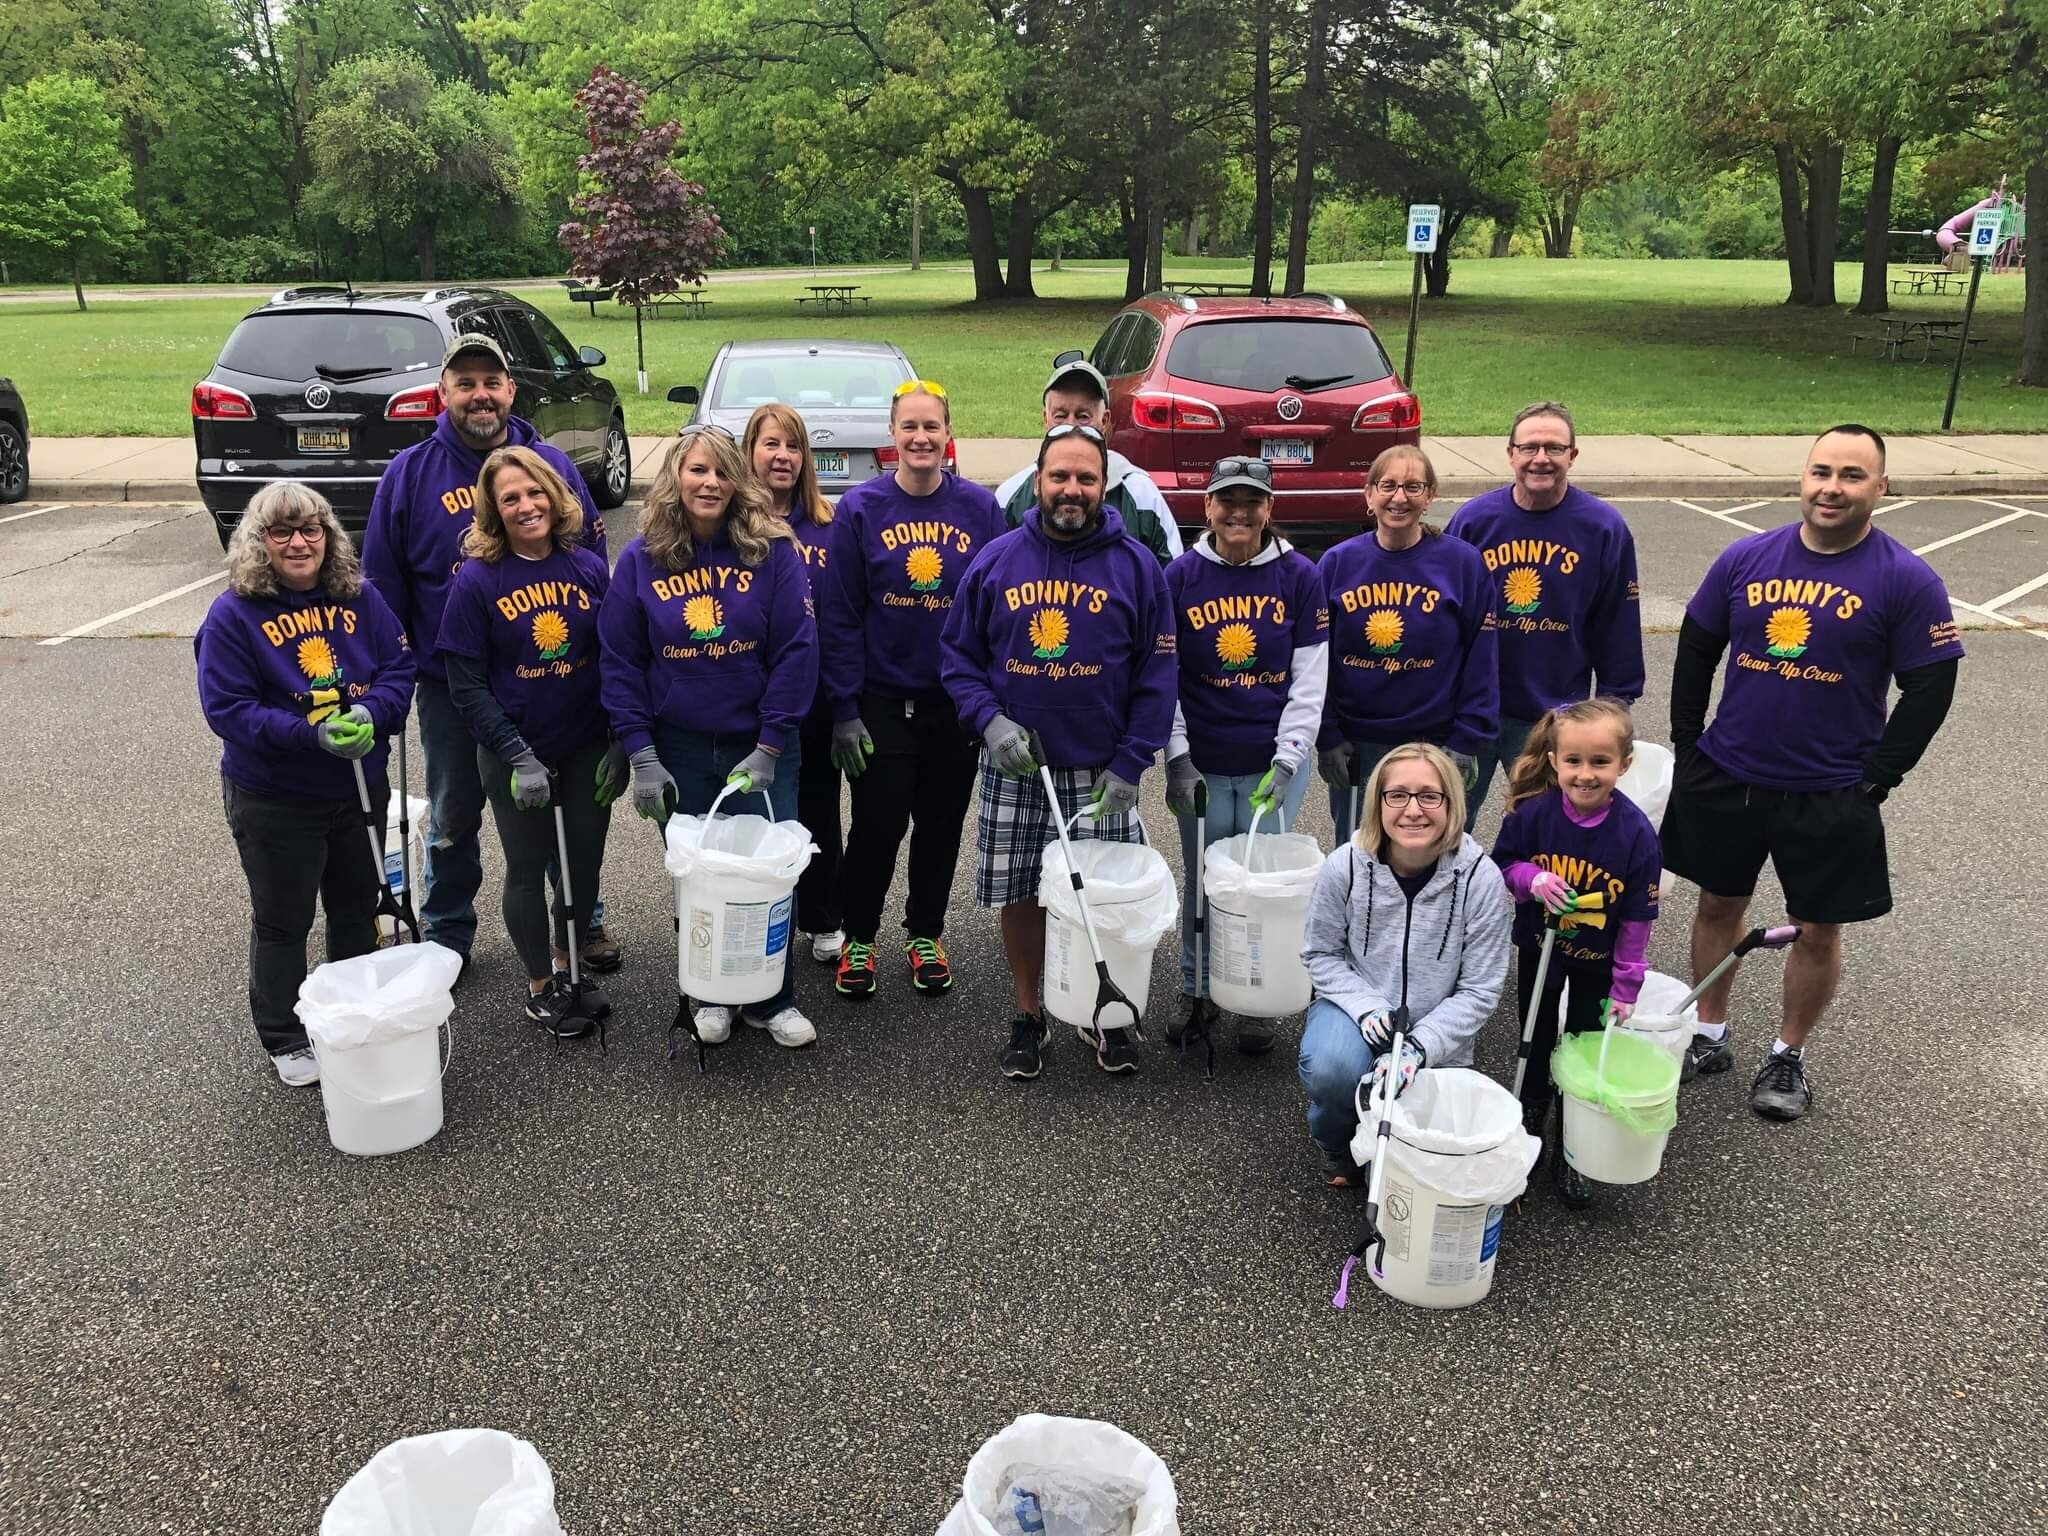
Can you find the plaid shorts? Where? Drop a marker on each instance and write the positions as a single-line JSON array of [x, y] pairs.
[[1014, 825]]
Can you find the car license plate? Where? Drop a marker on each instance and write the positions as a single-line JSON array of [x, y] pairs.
[[830, 461], [323, 439], [1287, 450]]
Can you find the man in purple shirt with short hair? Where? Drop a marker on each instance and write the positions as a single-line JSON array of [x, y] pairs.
[[1819, 617]]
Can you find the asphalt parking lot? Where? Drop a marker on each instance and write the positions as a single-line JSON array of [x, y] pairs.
[[793, 1295]]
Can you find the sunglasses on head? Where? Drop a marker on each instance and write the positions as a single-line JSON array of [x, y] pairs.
[[1251, 469], [920, 387], [700, 428], [1068, 428]]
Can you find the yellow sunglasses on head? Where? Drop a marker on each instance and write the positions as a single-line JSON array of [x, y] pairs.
[[920, 387]]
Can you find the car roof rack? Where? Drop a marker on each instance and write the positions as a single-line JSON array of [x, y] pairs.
[[1330, 299], [310, 290]]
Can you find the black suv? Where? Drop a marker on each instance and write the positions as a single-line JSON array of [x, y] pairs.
[[13, 443], [326, 385]]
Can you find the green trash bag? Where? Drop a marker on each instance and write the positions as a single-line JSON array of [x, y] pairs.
[[1638, 1088]]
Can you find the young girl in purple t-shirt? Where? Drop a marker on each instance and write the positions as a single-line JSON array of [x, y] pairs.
[[1569, 833]]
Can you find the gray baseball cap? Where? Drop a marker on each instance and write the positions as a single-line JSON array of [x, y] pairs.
[[1255, 473], [475, 341], [1075, 366]]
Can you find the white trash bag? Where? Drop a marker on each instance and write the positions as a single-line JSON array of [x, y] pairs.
[[1258, 889], [1653, 1016], [1455, 1130], [1648, 780], [384, 995], [1128, 886], [1050, 1476], [460, 1482]]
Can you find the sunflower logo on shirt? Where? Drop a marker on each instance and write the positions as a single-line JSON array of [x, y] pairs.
[[1523, 589], [550, 634], [1788, 630], [316, 659], [705, 618], [1236, 646], [1383, 631], [1048, 632], [924, 568]]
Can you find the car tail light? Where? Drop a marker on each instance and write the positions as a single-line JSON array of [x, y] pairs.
[[419, 404], [216, 402], [1157, 411], [1389, 412], [886, 457]]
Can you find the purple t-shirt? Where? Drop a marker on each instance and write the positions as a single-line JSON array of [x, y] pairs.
[[1814, 642], [1414, 652], [533, 626], [1237, 629], [1620, 858]]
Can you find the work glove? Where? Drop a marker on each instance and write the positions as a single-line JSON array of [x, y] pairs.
[[1273, 787], [1875, 793], [1413, 1060], [1378, 1028], [1557, 897], [1338, 765], [612, 776], [529, 782], [756, 771], [1181, 778], [349, 735], [1113, 797], [653, 787], [1009, 748], [1468, 769], [852, 746]]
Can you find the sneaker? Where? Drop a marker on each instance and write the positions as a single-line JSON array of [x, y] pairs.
[[1339, 1172], [595, 1003], [825, 947], [856, 977], [1200, 1017], [1021, 1059], [549, 1009], [713, 1024], [1117, 1052], [598, 953], [929, 972], [786, 1026], [1254, 1037], [1780, 1091], [1706, 1056], [1573, 1187], [297, 1069]]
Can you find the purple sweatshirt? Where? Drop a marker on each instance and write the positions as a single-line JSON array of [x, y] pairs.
[[897, 561], [814, 543], [424, 505], [722, 648], [1072, 640], [271, 668], [1239, 629], [1414, 651], [1569, 608], [533, 625], [1614, 852]]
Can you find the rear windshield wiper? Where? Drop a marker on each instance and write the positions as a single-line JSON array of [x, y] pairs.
[[1296, 381], [343, 375]]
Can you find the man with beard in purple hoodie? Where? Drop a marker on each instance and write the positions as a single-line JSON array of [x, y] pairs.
[[424, 505], [1062, 634]]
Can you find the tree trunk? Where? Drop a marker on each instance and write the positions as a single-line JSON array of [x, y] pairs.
[[1139, 219], [1305, 157], [639, 352], [2034, 322], [916, 232], [426, 250], [1876, 225], [981, 242], [1823, 220], [1560, 214], [1262, 149], [1792, 215], [1155, 246], [1191, 235], [1503, 239], [1023, 226], [78, 278], [1436, 266]]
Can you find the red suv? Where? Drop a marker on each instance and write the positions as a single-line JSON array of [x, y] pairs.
[[1301, 382]]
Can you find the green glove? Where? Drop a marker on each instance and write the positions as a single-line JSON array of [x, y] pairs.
[[852, 746], [1273, 787], [349, 736], [612, 774], [755, 771]]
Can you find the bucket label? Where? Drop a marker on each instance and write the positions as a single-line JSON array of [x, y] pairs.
[[778, 926], [735, 939], [1061, 941], [1395, 1225], [1455, 1240], [1491, 1245], [1237, 948]]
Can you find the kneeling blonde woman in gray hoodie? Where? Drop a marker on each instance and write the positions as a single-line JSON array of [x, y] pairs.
[[1410, 913]]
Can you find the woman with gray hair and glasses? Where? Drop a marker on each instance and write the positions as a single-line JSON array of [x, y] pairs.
[[302, 673]]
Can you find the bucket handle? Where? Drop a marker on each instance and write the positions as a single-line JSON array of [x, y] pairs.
[[397, 1098], [1279, 818], [1137, 821], [704, 831]]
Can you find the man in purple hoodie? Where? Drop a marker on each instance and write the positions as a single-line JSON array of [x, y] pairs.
[[424, 505], [1061, 636]]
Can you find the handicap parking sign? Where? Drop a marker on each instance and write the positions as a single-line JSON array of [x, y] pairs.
[[1423, 219], [1984, 232]]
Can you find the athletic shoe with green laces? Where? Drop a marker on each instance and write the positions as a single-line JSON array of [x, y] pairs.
[[856, 975], [929, 971]]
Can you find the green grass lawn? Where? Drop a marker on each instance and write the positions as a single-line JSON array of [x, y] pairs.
[[1634, 346]]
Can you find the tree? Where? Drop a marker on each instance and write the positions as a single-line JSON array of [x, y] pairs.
[[2023, 37], [64, 186], [642, 229], [1569, 165]]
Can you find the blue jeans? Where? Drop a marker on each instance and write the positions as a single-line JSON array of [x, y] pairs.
[[699, 763], [455, 814], [1514, 734], [1334, 1056], [1369, 755], [1230, 812]]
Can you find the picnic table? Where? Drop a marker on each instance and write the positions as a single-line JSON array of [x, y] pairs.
[[690, 301], [1896, 336], [831, 297], [1196, 288], [1927, 279]]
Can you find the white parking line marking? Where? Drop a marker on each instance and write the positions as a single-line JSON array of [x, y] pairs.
[[55, 506], [2005, 599], [2006, 506], [1908, 501], [115, 618], [1971, 533], [1747, 506], [2035, 630], [1719, 517]]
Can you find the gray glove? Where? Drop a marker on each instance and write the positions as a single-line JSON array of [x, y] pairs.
[[757, 768], [1338, 765], [611, 773], [1009, 748], [653, 787], [347, 734], [1113, 797], [1181, 778], [852, 746], [529, 782], [1468, 769], [1272, 790]]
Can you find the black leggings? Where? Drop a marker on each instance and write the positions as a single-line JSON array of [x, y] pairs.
[[817, 807], [529, 842], [923, 771], [1590, 984]]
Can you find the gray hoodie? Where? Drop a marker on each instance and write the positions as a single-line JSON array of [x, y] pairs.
[[1367, 946]]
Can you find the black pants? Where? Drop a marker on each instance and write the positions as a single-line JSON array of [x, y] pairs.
[[817, 807], [923, 771], [1590, 984], [529, 842], [296, 852]]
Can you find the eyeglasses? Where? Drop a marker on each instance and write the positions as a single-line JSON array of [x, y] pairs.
[[920, 387], [1397, 799], [1068, 428], [1250, 469], [312, 533], [1412, 488], [1530, 450]]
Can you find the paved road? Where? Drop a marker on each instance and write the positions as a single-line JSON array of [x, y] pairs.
[[792, 1296]]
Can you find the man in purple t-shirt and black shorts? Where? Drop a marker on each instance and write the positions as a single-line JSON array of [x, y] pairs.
[[1820, 617]]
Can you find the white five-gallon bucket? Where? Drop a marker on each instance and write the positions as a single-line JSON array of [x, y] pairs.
[[1634, 1076], [1653, 1017], [1456, 1156], [1130, 897], [459, 1482], [735, 901], [1258, 890], [375, 1024], [407, 862]]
